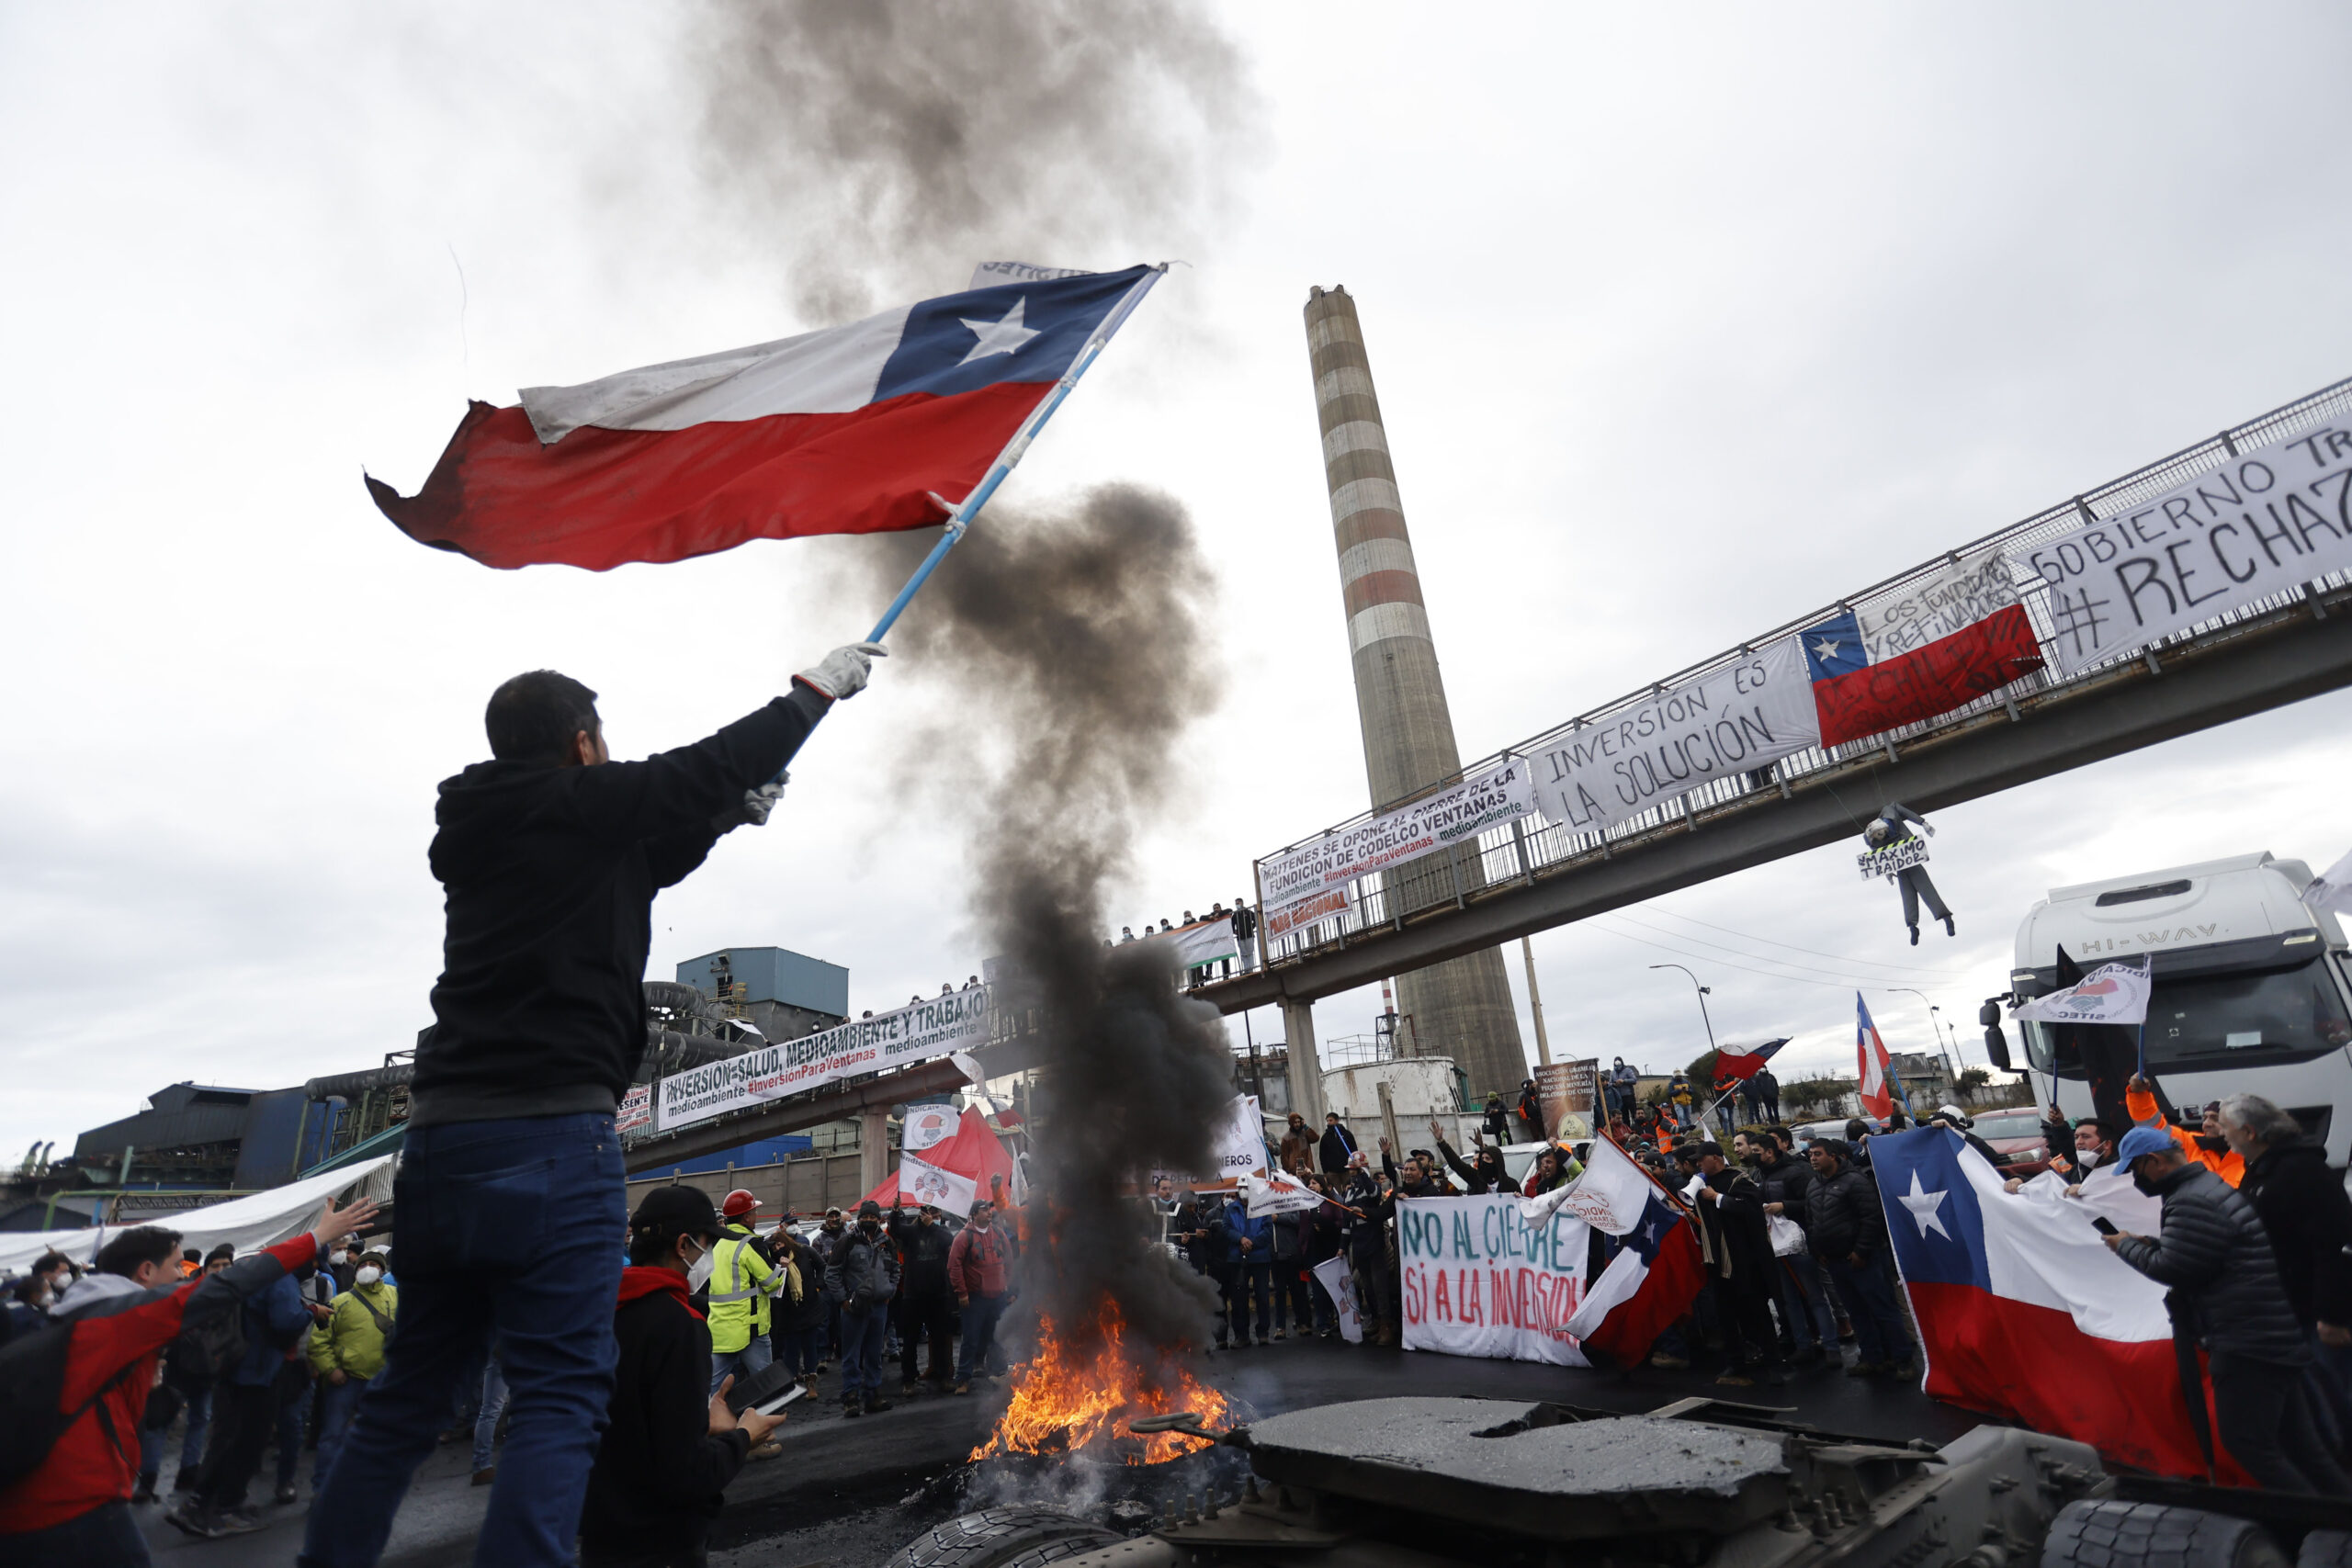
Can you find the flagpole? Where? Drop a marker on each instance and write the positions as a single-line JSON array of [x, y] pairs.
[[960, 517]]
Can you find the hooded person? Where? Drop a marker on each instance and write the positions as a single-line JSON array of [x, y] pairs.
[[1337, 1146], [867, 1265], [550, 854], [669, 1442], [1483, 1174], [1298, 1148]]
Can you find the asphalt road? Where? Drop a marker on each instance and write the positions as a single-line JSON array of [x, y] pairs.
[[847, 1494]]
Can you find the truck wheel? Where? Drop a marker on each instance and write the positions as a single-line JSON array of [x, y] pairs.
[[2325, 1548], [1002, 1537], [2110, 1534]]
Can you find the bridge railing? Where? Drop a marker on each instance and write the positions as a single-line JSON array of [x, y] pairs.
[[1524, 847]]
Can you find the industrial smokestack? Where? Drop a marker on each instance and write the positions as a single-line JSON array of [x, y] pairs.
[[1462, 1008]]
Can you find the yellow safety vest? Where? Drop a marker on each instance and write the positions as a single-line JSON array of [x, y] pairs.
[[741, 1282]]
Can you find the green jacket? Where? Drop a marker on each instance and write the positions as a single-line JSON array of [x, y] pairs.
[[351, 1339]]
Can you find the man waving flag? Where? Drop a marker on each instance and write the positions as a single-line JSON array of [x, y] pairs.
[[852, 430]]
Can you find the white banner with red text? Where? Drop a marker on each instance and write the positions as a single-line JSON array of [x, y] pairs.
[[1479, 1278], [935, 1027], [1498, 796]]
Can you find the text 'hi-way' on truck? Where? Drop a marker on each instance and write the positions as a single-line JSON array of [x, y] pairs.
[[2252, 988]]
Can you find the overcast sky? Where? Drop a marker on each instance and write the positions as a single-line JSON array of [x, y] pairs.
[[1684, 323]]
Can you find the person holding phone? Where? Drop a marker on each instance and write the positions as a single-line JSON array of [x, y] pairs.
[[671, 1445]]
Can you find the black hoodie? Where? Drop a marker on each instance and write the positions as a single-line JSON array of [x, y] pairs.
[[551, 873]]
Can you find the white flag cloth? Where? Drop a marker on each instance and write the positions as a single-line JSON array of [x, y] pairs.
[[1279, 1195], [2331, 889], [2108, 1194], [2112, 993], [1610, 1196], [1338, 1282], [926, 1183]]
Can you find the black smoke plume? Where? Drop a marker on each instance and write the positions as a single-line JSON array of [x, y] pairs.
[[880, 148], [1074, 651]]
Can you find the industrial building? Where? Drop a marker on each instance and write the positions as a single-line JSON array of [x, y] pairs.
[[1462, 1008]]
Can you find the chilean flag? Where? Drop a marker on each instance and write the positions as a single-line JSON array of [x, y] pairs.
[[2023, 1312], [846, 431], [1736, 1063], [1941, 646], [1653, 1279], [1880, 1088]]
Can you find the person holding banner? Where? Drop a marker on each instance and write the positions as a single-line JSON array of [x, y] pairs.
[[1737, 1246]]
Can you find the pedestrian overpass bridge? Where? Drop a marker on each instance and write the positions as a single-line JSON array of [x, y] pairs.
[[1535, 875]]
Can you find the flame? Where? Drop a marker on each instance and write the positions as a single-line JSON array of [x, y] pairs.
[[1068, 1396]]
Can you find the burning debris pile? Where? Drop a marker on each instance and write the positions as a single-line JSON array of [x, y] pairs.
[[1076, 647], [1065, 1399]]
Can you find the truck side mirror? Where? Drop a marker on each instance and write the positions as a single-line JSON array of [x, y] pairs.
[[1990, 1014], [1996, 1046]]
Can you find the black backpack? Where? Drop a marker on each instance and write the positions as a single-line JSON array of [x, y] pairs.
[[210, 1342], [32, 1382]]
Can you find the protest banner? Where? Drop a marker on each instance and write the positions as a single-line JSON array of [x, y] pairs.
[[1479, 1278], [1338, 1282], [1279, 1195], [1203, 942], [936, 1027], [2265, 521], [2112, 993], [1566, 1089], [1238, 1144], [1731, 720], [1495, 797], [635, 1114], [1325, 905]]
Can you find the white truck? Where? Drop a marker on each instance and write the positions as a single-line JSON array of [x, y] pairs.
[[2252, 988]]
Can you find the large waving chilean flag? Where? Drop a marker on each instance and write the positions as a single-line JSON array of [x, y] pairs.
[[846, 431], [1945, 643], [2024, 1312]]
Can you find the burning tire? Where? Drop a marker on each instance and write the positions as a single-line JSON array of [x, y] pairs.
[[1002, 1537]]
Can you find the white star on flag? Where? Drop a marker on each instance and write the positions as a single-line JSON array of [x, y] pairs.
[[1825, 650], [1923, 1206], [999, 337]]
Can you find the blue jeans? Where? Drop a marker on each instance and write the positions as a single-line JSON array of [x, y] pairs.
[[106, 1536], [753, 1359], [493, 1405], [1804, 1303], [511, 1228], [337, 1403], [863, 1335], [151, 1439], [1869, 1294], [980, 1335], [801, 1351]]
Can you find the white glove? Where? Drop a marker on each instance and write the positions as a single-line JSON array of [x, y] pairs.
[[843, 672], [758, 803]]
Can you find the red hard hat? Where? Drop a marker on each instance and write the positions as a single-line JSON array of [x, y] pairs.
[[738, 1204]]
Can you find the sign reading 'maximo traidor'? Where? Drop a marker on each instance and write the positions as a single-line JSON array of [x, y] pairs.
[[956, 1022]]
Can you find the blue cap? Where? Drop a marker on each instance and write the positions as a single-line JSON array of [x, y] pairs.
[[2142, 1140]]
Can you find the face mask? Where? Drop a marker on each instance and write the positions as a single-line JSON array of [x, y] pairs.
[[699, 1275], [368, 1276], [2087, 1157], [339, 1258], [2143, 1184]]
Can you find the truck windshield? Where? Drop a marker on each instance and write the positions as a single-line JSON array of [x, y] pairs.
[[2210, 1020]]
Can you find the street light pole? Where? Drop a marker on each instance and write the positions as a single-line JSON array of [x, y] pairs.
[[1934, 1020], [1711, 1032]]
